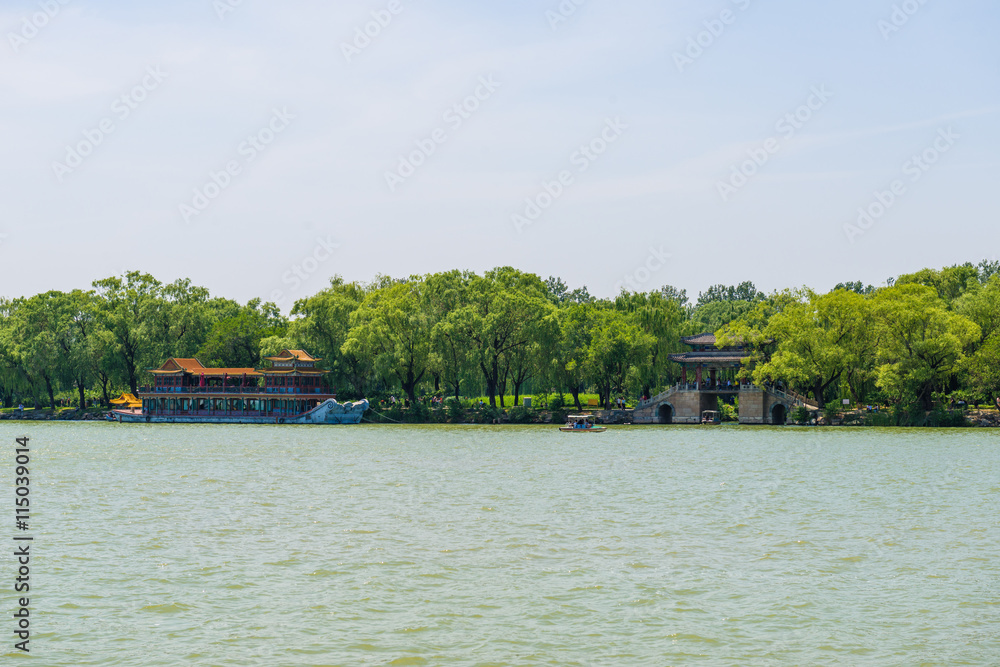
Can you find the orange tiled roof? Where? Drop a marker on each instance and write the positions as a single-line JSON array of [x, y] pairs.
[[174, 366], [287, 355]]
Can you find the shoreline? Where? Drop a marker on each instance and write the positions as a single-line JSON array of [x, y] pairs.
[[509, 417]]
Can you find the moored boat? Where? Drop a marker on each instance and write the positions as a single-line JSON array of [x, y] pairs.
[[288, 391]]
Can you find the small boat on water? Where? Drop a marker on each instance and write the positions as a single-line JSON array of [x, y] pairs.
[[582, 424], [711, 417]]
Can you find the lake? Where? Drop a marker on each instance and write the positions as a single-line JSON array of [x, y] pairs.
[[477, 545]]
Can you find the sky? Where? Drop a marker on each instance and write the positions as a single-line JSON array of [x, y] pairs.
[[260, 148]]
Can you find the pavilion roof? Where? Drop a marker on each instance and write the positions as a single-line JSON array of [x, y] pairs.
[[710, 357], [290, 355], [700, 339]]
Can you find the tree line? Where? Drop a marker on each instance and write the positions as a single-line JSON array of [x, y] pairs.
[[919, 339]]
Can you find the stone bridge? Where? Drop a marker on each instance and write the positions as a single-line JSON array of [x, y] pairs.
[[682, 404]]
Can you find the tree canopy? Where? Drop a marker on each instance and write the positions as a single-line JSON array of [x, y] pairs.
[[920, 339]]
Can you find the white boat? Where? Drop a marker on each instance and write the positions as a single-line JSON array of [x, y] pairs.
[[582, 424]]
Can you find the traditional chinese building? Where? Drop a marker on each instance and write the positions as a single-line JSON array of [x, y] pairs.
[[290, 385], [710, 368], [709, 373]]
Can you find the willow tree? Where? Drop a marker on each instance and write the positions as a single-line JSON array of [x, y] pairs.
[[617, 348], [502, 312], [127, 307], [392, 328], [450, 359], [818, 340], [661, 315], [921, 343], [982, 369], [321, 326]]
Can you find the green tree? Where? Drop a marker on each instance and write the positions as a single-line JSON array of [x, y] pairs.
[[77, 326], [949, 283], [617, 347], [565, 344], [129, 308], [663, 319], [392, 328], [817, 341], [450, 359], [502, 313], [235, 342], [982, 369], [321, 326], [920, 342]]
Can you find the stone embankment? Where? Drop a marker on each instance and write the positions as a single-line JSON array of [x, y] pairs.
[[49, 415]]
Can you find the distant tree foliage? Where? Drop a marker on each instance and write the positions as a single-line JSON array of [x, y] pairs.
[[920, 340]]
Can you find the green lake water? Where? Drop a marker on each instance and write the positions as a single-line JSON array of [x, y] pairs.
[[473, 545]]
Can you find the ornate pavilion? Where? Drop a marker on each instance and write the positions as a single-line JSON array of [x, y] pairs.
[[709, 365]]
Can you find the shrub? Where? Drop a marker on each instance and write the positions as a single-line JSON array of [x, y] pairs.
[[800, 415], [879, 419], [488, 414], [520, 415], [947, 418], [454, 409]]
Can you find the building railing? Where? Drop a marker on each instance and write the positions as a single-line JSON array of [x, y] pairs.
[[226, 413], [237, 390], [706, 385]]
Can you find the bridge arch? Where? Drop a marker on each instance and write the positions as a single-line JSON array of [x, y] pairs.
[[665, 413], [779, 414]]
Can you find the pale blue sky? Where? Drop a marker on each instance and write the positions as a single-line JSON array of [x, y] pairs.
[[655, 189]]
